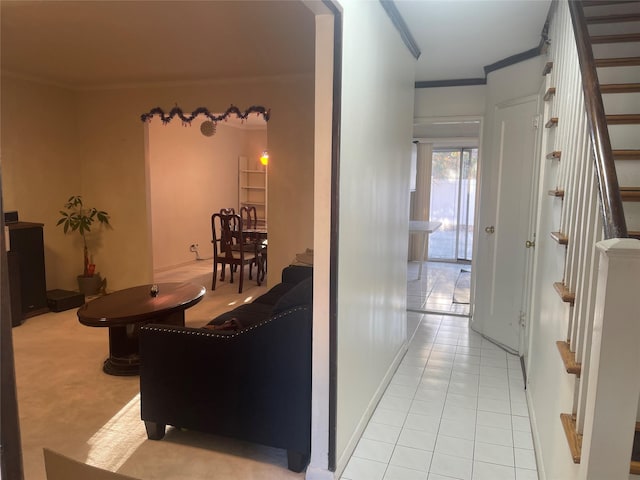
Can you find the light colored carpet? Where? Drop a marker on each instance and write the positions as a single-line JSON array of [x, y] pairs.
[[68, 404]]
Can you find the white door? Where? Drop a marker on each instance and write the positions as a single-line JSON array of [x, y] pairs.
[[527, 294], [508, 179]]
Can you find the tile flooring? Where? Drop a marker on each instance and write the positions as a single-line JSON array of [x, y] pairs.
[[433, 292], [455, 408]]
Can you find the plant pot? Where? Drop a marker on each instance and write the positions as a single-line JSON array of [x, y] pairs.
[[90, 285]]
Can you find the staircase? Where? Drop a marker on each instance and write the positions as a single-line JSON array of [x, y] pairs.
[[591, 200], [614, 29]]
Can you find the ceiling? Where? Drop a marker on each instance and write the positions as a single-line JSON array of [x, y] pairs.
[[458, 38], [91, 44], [97, 43]]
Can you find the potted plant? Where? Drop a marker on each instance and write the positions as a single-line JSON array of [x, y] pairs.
[[78, 218]]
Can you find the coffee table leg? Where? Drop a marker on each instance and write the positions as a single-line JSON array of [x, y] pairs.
[[124, 358], [123, 351]]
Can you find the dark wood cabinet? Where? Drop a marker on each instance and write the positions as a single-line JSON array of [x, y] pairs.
[[13, 263], [26, 270]]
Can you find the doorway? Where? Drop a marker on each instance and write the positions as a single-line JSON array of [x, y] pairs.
[[198, 166], [444, 192], [507, 209]]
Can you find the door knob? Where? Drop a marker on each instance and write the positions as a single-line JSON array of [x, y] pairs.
[[529, 244], [490, 229]]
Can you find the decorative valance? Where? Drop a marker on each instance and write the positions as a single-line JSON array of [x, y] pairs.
[[188, 117]]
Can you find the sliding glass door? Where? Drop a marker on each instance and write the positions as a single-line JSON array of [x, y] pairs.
[[453, 193]]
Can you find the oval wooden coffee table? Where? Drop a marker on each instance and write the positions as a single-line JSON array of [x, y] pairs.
[[125, 311]]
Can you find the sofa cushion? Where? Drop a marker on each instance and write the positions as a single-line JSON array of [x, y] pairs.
[[274, 294], [301, 294], [296, 273], [242, 317]]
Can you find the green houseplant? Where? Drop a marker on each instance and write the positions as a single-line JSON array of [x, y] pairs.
[[78, 218]]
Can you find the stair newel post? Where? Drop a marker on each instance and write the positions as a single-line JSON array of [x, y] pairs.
[[614, 383]]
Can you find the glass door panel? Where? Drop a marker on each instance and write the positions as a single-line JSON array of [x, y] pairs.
[[466, 211], [453, 187], [445, 172]]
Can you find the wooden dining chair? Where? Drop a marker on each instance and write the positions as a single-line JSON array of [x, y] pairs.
[[249, 218], [230, 248]]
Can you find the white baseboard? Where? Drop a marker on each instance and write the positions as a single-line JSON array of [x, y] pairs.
[[342, 461], [536, 437], [315, 473]]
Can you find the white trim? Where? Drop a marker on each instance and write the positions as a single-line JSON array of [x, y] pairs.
[[341, 463], [537, 445], [467, 142], [454, 119]]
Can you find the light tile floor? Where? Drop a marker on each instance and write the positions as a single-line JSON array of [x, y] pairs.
[[433, 292], [455, 409]]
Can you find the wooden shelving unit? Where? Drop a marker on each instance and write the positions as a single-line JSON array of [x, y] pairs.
[[252, 186]]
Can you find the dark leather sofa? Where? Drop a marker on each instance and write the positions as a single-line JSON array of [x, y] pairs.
[[247, 374]]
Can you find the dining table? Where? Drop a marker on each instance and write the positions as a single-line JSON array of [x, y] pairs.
[[424, 228]]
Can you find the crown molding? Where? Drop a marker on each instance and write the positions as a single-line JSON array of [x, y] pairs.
[[401, 26], [160, 84]]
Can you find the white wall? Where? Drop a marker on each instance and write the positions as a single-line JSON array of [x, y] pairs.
[[450, 101], [375, 153], [192, 177]]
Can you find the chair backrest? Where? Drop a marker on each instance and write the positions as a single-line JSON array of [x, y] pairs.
[[249, 217], [228, 211], [227, 233]]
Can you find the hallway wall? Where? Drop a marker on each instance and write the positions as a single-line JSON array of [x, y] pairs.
[[375, 156]]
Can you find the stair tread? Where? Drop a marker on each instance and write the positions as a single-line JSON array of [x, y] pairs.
[[556, 193], [547, 68], [619, 38], [623, 17], [560, 237], [597, 3], [623, 119], [566, 295], [569, 358], [554, 155], [573, 437], [630, 194], [626, 154], [551, 91], [620, 88], [617, 62], [553, 122]]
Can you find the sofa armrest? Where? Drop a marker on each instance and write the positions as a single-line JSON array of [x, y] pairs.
[[254, 384]]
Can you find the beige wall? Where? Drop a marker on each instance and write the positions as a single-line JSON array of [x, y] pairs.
[[192, 177], [40, 168], [95, 146], [375, 155]]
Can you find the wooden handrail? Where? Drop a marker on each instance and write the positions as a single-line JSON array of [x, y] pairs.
[[615, 225]]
